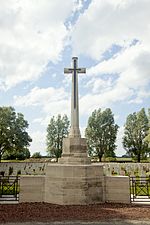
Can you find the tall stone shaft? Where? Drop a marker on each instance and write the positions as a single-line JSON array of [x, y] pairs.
[[74, 130], [74, 147]]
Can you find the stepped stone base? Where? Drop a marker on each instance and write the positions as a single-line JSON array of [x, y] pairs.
[[74, 151], [74, 184]]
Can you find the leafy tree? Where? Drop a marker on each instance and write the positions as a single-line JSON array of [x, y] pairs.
[[136, 129], [13, 154], [101, 133], [13, 134], [37, 155], [56, 131], [23, 154], [147, 138]]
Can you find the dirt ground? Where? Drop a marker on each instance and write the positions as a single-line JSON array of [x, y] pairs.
[[113, 222], [44, 212]]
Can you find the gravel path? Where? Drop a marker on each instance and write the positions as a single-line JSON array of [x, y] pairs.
[[56, 214], [113, 222]]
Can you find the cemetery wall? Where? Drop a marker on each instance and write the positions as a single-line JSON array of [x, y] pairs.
[[39, 168], [23, 168], [126, 169]]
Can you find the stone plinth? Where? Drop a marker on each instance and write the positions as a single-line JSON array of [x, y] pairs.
[[74, 184], [74, 151]]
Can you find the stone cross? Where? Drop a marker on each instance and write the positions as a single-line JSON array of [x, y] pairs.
[[74, 130]]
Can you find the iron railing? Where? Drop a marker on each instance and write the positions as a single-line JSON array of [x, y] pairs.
[[140, 189], [9, 188]]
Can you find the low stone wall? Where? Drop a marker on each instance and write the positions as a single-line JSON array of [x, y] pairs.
[[126, 169], [39, 168], [23, 168], [32, 188], [117, 189]]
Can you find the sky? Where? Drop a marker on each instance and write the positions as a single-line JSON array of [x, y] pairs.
[[38, 38]]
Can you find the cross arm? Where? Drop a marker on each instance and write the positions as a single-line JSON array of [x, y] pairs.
[[81, 70], [68, 70]]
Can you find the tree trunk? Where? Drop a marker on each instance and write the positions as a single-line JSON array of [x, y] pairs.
[[56, 159], [100, 158], [139, 157], [0, 155]]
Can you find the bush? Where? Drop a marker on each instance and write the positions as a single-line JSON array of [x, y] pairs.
[[37, 155]]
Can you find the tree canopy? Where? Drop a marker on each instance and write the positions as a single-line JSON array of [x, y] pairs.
[[13, 135], [147, 138], [37, 155], [13, 154], [136, 130], [57, 129], [101, 133]]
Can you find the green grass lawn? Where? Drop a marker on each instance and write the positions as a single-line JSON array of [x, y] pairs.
[[108, 159]]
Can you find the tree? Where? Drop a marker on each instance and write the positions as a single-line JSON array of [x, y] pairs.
[[36, 155], [13, 134], [147, 138], [101, 133], [136, 129], [13, 154], [56, 131], [23, 154]]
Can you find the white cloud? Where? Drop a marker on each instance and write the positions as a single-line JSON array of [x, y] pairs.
[[90, 102], [32, 34], [108, 22], [98, 85], [52, 102], [78, 5], [120, 150], [118, 63], [38, 143], [58, 107], [40, 96], [131, 68], [115, 22]]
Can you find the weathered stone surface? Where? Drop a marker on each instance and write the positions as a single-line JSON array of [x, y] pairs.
[[74, 151], [32, 188], [74, 184], [74, 130], [117, 189]]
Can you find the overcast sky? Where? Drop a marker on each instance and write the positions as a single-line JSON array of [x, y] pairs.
[[38, 38]]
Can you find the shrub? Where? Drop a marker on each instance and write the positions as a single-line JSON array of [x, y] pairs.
[[36, 155]]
